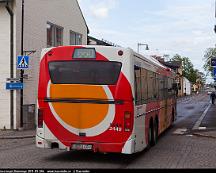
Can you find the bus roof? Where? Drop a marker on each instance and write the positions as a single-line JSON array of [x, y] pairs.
[[147, 58]]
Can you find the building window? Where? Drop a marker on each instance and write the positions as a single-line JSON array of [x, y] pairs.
[[75, 38], [54, 35]]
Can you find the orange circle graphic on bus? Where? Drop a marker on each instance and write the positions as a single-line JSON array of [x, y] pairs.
[[79, 115]]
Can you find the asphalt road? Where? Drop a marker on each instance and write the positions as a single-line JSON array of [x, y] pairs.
[[171, 151]]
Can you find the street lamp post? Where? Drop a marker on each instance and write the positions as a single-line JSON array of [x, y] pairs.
[[141, 44], [215, 18]]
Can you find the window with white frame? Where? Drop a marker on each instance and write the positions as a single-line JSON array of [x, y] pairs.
[[54, 35], [75, 38]]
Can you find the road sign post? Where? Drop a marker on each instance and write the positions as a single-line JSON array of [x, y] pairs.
[[22, 64]]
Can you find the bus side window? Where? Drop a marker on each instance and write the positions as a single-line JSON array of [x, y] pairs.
[[151, 85], [137, 84], [156, 90], [171, 91], [166, 88], [174, 88], [169, 85], [144, 85], [161, 87]]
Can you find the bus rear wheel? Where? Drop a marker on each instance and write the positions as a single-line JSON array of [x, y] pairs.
[[152, 134], [155, 133], [149, 137]]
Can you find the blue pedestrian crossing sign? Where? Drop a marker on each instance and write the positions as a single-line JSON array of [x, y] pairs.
[[22, 62]]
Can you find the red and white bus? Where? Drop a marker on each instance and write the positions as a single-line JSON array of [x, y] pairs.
[[102, 99]]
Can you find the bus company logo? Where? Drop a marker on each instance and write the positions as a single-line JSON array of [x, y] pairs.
[[89, 118]]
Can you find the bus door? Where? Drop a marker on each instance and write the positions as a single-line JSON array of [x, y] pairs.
[[140, 86]]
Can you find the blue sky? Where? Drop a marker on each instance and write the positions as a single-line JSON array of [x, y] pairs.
[[167, 26]]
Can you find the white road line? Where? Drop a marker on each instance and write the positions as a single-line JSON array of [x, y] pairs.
[[180, 131], [196, 126]]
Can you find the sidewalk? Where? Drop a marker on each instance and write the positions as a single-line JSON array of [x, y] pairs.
[[210, 118], [207, 126], [17, 134]]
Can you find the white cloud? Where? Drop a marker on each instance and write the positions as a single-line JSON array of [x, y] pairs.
[[183, 27], [197, 32], [101, 12], [99, 9]]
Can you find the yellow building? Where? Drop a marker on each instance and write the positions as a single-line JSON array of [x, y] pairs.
[[176, 66]]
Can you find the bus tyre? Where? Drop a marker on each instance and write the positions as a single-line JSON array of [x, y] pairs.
[[155, 133], [149, 137]]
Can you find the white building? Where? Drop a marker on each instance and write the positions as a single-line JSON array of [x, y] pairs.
[[46, 23], [187, 87]]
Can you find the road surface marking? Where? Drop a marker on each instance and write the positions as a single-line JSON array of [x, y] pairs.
[[196, 126], [202, 128], [180, 131]]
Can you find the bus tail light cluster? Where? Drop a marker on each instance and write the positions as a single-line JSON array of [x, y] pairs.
[[127, 122], [40, 118]]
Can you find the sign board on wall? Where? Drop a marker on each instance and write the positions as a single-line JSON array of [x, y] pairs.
[[14, 86]]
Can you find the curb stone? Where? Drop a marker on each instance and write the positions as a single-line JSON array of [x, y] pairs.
[[17, 137]]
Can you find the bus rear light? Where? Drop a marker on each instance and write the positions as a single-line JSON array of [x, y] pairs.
[[40, 118], [127, 122], [39, 143]]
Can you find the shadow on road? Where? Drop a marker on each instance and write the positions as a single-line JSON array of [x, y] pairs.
[[110, 158], [79, 156]]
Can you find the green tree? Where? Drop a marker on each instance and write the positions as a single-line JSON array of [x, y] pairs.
[[209, 53], [188, 69], [193, 75]]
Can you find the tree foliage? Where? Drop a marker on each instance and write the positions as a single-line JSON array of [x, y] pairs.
[[210, 53], [188, 69]]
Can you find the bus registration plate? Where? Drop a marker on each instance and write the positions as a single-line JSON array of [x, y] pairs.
[[81, 147]]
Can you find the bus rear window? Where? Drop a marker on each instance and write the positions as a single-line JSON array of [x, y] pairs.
[[84, 72]]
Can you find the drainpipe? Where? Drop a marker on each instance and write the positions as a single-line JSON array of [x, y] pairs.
[[10, 11], [22, 71]]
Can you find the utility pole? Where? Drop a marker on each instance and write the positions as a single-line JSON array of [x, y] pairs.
[[215, 18]]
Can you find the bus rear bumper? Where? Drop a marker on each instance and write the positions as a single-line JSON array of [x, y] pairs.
[[49, 144], [124, 148], [40, 142]]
